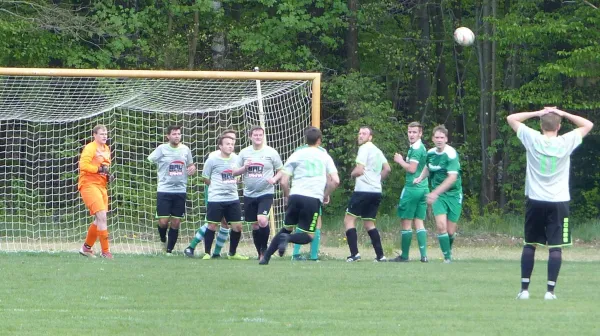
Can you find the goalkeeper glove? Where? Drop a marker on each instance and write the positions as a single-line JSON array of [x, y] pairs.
[[103, 169]]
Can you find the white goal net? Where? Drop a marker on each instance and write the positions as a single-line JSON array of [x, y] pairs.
[[46, 120]]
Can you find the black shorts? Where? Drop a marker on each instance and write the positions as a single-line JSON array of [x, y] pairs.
[[170, 205], [364, 205], [254, 206], [547, 223], [303, 211], [231, 211]]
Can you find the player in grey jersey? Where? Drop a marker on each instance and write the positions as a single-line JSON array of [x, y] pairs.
[[175, 164], [371, 168], [258, 163], [547, 188], [309, 168]]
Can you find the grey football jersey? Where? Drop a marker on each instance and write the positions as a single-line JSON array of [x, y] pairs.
[[223, 185], [548, 163], [172, 165], [309, 168], [264, 163], [372, 159]]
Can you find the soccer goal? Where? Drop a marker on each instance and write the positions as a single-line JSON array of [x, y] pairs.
[[47, 116]]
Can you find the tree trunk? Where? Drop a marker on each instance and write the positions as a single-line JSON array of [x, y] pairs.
[[168, 44], [352, 61], [441, 80], [492, 194], [423, 78], [218, 46], [193, 44]]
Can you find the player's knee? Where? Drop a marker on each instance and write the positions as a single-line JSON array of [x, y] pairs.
[[163, 222], [263, 221], [255, 226], [236, 227], [175, 223], [212, 227], [529, 247], [555, 252], [369, 225]]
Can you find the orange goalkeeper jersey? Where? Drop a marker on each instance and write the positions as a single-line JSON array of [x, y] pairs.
[[92, 157]]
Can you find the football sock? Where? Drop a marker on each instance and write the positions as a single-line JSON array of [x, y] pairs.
[[314, 245], [376, 241], [264, 233], [554, 262], [221, 239], [209, 236], [234, 241], [406, 240], [451, 238], [352, 239], [527, 262], [300, 238], [297, 247], [199, 236], [422, 241], [256, 238], [103, 235], [445, 245], [275, 242], [91, 236], [173, 235], [162, 232]]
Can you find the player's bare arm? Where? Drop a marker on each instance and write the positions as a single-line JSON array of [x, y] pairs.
[[241, 170], [359, 170], [277, 177], [385, 171], [333, 181], [516, 119], [191, 169], [206, 181], [584, 125], [448, 182], [410, 167], [285, 186]]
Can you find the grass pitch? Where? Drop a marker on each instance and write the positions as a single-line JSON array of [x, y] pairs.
[[66, 294]]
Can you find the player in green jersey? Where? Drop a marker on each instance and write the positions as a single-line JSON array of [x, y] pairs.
[[443, 169]]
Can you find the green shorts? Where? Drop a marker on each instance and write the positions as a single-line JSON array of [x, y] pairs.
[[449, 205], [412, 203]]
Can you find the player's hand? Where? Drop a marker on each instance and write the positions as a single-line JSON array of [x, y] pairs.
[[103, 170], [112, 177], [285, 201], [247, 163], [191, 170], [271, 181], [326, 200], [432, 197], [417, 180], [398, 158]]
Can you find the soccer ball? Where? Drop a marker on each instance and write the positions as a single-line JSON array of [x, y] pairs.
[[464, 36]]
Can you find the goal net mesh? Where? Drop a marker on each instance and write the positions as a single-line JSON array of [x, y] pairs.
[[46, 121]]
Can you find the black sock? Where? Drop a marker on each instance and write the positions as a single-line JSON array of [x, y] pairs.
[[352, 241], [234, 241], [173, 235], [257, 239], [209, 236], [554, 262], [264, 233], [162, 232], [275, 243], [527, 262], [376, 241], [301, 238]]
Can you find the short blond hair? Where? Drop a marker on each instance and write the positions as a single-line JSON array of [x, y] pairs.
[[440, 128], [415, 124], [550, 122], [98, 128]]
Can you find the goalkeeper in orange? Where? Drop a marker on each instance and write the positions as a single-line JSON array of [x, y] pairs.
[[94, 165]]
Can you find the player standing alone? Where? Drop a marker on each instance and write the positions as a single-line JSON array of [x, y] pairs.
[[175, 163], [309, 168], [371, 168], [413, 205], [258, 163], [94, 167], [547, 188]]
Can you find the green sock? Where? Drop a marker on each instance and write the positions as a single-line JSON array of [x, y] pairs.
[[422, 240], [314, 245], [296, 246], [445, 245], [221, 238], [198, 236], [406, 240], [451, 237]]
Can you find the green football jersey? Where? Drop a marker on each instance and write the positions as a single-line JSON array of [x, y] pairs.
[[440, 165], [416, 153]]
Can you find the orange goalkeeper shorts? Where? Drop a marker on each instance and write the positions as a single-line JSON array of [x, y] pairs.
[[95, 198]]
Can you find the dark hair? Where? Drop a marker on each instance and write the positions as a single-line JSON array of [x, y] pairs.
[[223, 137], [440, 128], [415, 124], [172, 128], [255, 128], [229, 130], [312, 135], [368, 128], [550, 121]]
